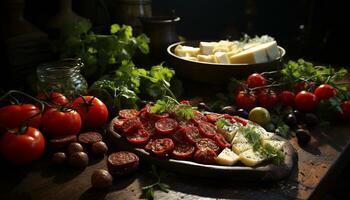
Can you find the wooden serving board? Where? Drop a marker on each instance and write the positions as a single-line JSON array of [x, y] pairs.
[[262, 172]]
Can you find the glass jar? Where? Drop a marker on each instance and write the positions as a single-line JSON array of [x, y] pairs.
[[62, 76]]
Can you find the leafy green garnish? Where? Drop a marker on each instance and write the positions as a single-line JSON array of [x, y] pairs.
[[170, 105], [149, 190]]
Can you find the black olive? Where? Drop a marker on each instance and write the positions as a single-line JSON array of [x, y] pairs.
[[299, 115], [203, 107], [59, 158], [311, 119], [101, 178], [291, 119], [242, 113], [303, 136], [228, 110]]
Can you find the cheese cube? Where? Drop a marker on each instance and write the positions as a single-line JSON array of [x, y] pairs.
[[229, 132], [227, 157], [258, 54], [207, 58], [277, 144], [207, 48], [239, 148], [186, 51], [239, 138], [251, 158], [221, 57]]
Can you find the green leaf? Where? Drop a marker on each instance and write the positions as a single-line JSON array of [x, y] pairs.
[[150, 193], [142, 42], [282, 129], [164, 187], [115, 28]]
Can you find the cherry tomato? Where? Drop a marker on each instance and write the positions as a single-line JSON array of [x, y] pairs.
[[205, 143], [183, 151], [187, 102], [212, 117], [345, 107], [192, 134], [178, 136], [325, 91], [205, 156], [131, 124], [53, 98], [256, 80], [245, 101], [206, 129], [141, 136], [306, 101], [267, 99], [162, 147], [286, 98], [93, 112], [221, 141], [240, 120], [22, 148], [198, 117], [166, 125], [128, 113], [13, 116], [59, 123], [307, 86], [118, 123]]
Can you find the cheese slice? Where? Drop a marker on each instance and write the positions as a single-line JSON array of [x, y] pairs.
[[239, 148], [277, 144], [186, 51], [239, 138], [207, 48], [227, 157], [207, 58], [262, 132], [229, 132], [221, 57], [251, 158], [258, 54]]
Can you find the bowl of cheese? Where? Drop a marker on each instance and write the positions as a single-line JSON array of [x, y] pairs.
[[218, 61]]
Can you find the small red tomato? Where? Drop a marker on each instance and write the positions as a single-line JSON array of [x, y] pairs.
[[256, 80], [22, 148], [245, 100], [267, 98], [93, 112], [325, 91], [53, 98], [345, 107], [306, 101], [286, 98]]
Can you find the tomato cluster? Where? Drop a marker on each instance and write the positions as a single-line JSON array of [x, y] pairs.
[[21, 125], [165, 135], [304, 97]]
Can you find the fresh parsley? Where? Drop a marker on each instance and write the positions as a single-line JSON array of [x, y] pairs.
[[171, 105], [149, 190]]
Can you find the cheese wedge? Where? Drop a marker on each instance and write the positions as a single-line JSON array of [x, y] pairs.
[[207, 48], [258, 54], [207, 58], [229, 132], [239, 138], [251, 158], [186, 51], [227, 157], [191, 58], [221, 57], [239, 148], [274, 143]]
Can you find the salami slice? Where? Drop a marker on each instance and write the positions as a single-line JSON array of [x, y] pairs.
[[89, 138], [63, 141], [122, 163]]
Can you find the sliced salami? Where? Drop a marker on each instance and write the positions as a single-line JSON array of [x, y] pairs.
[[122, 163]]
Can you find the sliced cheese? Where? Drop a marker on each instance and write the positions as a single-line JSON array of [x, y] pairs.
[[251, 158], [239, 148], [277, 144], [258, 54], [186, 51], [229, 132], [227, 157], [262, 132], [207, 48], [221, 57], [239, 138], [207, 58], [191, 58]]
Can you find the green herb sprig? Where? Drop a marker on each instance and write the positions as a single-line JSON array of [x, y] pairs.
[[149, 190], [171, 105]]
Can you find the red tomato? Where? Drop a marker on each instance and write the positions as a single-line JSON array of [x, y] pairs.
[[325, 91], [192, 134], [212, 117], [162, 147], [198, 117], [240, 120], [118, 123], [256, 80], [93, 112], [205, 156], [128, 113], [245, 101], [345, 107], [306, 101], [131, 124], [179, 136], [221, 141], [23, 148], [307, 86], [140, 136], [57, 123], [166, 125], [206, 129], [53, 98], [207, 143], [183, 151], [286, 98], [267, 99], [13, 116]]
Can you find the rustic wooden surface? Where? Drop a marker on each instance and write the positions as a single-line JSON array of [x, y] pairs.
[[42, 181]]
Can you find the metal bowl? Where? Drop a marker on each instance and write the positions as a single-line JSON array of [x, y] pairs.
[[216, 73]]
